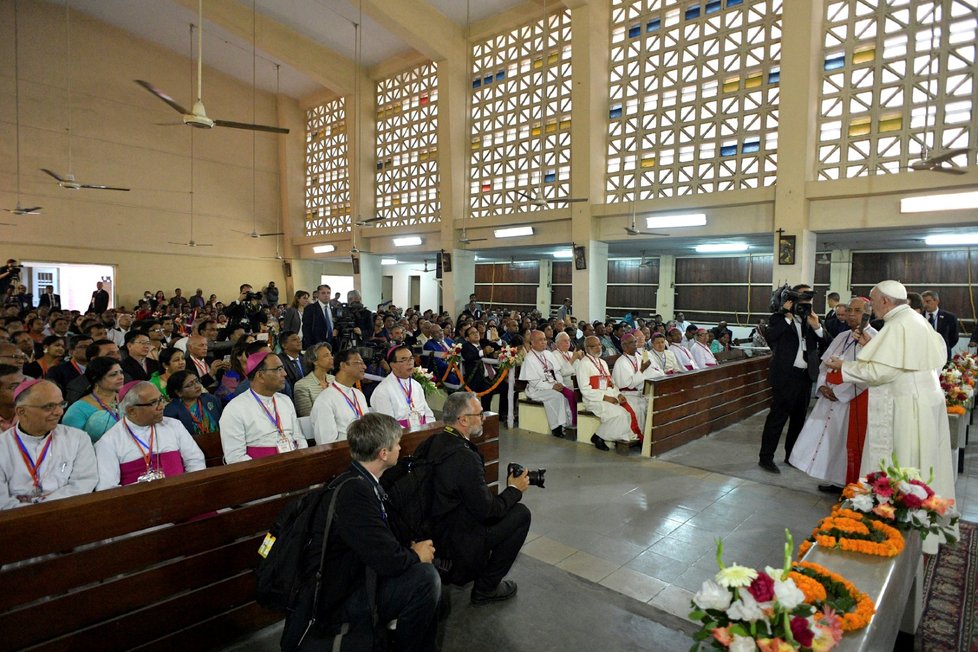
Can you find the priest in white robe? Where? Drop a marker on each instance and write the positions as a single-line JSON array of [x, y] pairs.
[[677, 344], [41, 460], [821, 447], [662, 358], [541, 371], [700, 350], [399, 395], [144, 445], [341, 403], [602, 398], [630, 372], [260, 421], [907, 412]]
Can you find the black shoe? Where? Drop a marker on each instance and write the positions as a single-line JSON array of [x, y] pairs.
[[505, 591], [599, 443], [830, 489], [769, 466], [558, 432]]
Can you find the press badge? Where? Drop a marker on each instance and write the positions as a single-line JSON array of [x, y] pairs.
[[266, 545], [286, 446]]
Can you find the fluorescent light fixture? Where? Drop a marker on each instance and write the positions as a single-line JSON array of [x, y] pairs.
[[564, 253], [514, 232], [675, 221], [323, 249], [954, 201], [409, 241], [951, 239], [388, 261], [721, 248]]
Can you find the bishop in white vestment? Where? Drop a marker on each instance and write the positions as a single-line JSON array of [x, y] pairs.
[[600, 395], [541, 371], [630, 373]]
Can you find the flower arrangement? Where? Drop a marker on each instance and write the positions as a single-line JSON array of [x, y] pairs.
[[849, 530], [425, 378], [896, 495], [509, 357], [958, 382], [743, 609], [823, 588]]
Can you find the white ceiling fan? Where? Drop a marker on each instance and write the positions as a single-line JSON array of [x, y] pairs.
[[197, 117], [425, 270], [19, 209], [646, 262]]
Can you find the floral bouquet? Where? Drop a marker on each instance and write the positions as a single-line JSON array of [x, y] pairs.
[[425, 378], [968, 366], [958, 386], [896, 495], [509, 356], [743, 609]]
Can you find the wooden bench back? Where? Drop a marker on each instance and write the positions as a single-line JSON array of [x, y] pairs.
[[132, 568]]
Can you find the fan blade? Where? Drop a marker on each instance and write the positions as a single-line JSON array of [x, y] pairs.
[[244, 125], [271, 234], [52, 174], [370, 220], [24, 211], [163, 96], [526, 195], [90, 187], [940, 168], [946, 156], [569, 200], [468, 240]]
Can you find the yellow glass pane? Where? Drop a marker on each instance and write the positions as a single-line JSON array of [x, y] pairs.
[[731, 85], [565, 124], [648, 162], [859, 127], [538, 63], [864, 56], [535, 131], [754, 81], [553, 58], [891, 123]]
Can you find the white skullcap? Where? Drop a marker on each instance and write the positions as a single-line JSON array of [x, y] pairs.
[[892, 289]]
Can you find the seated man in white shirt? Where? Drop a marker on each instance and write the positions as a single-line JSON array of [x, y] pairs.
[[541, 371], [398, 394], [602, 398], [631, 371], [677, 344], [41, 460], [260, 421], [662, 358], [341, 403], [700, 350], [144, 445]]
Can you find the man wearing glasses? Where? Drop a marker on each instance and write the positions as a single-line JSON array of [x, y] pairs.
[[10, 354], [341, 403], [40, 459], [10, 379], [137, 364], [144, 445], [480, 533], [398, 394]]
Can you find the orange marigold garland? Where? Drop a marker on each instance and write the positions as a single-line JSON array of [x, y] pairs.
[[856, 607], [849, 530]]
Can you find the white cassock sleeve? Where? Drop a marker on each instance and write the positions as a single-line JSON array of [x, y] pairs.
[[193, 457], [107, 457], [84, 468], [625, 376], [234, 424], [323, 419], [382, 400], [533, 373], [868, 373]]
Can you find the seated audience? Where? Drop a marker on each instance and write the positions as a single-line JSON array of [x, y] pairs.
[[442, 347], [319, 363], [291, 355], [541, 371], [67, 371], [341, 403], [232, 377], [137, 364], [10, 379], [260, 421], [97, 349], [199, 412], [479, 376], [197, 362], [53, 354], [171, 361], [59, 460], [721, 344], [398, 394], [145, 445], [700, 350], [12, 355], [97, 411], [567, 359]]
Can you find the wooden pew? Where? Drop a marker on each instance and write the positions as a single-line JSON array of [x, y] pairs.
[[685, 407], [127, 568]]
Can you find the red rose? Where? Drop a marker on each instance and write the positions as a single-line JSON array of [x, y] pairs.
[[874, 476], [762, 588], [912, 501], [801, 631]]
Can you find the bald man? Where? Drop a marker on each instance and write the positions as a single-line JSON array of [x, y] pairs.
[[541, 371]]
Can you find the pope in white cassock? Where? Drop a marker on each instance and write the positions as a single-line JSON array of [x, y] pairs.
[[41, 460], [907, 412], [399, 395], [602, 398], [341, 403], [631, 371], [260, 421], [541, 371], [144, 445], [821, 448]]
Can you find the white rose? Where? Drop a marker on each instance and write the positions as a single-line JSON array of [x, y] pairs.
[[742, 644], [712, 596], [903, 487], [920, 516], [788, 593], [918, 491], [862, 502], [746, 608]]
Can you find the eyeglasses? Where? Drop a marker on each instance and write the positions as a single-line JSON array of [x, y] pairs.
[[411, 359], [156, 330], [481, 415], [191, 384], [158, 402], [273, 370], [15, 356], [117, 372], [141, 342], [49, 407]]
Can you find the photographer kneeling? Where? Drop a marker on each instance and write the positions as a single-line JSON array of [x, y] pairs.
[[480, 533]]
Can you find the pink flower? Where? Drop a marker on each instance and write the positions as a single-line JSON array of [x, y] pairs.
[[801, 631], [723, 636], [830, 624], [875, 475], [885, 510], [774, 645], [882, 487], [762, 588], [912, 501]]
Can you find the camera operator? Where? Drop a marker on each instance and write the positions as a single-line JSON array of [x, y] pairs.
[[481, 534], [8, 274], [793, 333], [245, 311]]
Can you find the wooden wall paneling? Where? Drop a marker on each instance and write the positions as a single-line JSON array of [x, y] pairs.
[[629, 270], [633, 298], [561, 272], [700, 295]]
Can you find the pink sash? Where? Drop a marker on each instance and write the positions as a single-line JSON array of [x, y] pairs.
[[572, 401], [170, 462], [257, 452], [406, 423]]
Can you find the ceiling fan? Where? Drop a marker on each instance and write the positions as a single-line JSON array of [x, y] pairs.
[[936, 163], [197, 117], [68, 181], [255, 234], [535, 198], [646, 262], [19, 210], [425, 270], [632, 229], [191, 243], [465, 239], [369, 220]]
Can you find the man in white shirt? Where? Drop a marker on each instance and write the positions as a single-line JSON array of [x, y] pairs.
[[681, 322], [541, 371], [341, 403], [399, 395], [118, 334], [700, 350], [631, 371], [41, 460], [144, 445], [602, 398], [260, 421]]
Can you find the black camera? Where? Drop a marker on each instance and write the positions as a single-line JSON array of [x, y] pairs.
[[787, 293], [535, 477], [253, 296]]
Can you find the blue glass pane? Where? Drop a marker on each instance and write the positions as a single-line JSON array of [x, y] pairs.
[[728, 150], [550, 177], [713, 6], [476, 83], [487, 79], [634, 31], [834, 63], [734, 3], [751, 147], [774, 77], [615, 112], [380, 165], [692, 12], [653, 25], [501, 75]]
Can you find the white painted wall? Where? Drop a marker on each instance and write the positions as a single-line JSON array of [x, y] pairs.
[[402, 273]]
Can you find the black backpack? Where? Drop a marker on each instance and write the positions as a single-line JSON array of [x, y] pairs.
[[281, 553]]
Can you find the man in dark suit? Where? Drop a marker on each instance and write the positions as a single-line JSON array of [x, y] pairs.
[[318, 320], [944, 322], [793, 333], [291, 356], [361, 544], [100, 299], [49, 299], [66, 372], [136, 364]]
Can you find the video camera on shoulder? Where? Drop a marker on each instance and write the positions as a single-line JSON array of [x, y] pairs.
[[801, 301]]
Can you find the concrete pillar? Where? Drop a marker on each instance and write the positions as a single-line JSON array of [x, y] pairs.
[[463, 279], [543, 288], [453, 148], [801, 47], [665, 300], [840, 274], [589, 295], [369, 281]]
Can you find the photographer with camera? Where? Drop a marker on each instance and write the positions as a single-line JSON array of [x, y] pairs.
[[480, 533], [245, 311], [793, 333], [8, 274]]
